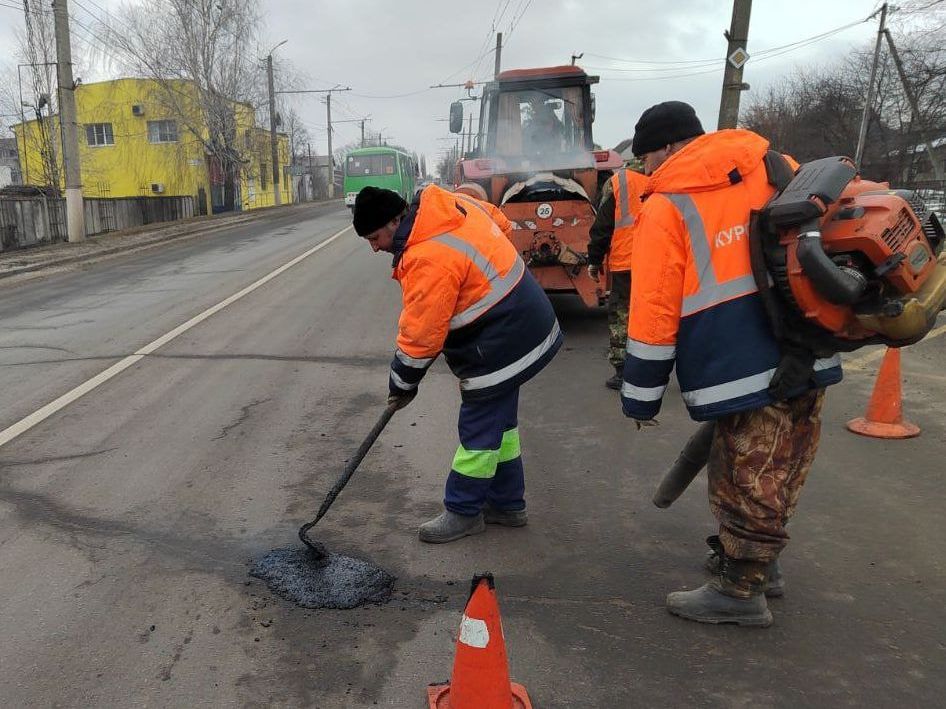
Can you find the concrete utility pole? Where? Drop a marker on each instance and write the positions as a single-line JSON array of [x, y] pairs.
[[499, 54], [914, 104], [328, 107], [736, 57], [331, 161], [273, 139], [362, 132], [75, 214], [865, 116]]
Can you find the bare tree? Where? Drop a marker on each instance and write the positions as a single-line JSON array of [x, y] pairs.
[[202, 56], [297, 132], [816, 112], [29, 91]]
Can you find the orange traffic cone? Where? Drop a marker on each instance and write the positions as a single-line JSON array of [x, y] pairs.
[[884, 417], [480, 677]]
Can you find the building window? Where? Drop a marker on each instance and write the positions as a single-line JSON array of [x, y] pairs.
[[99, 134], [263, 183], [162, 131]]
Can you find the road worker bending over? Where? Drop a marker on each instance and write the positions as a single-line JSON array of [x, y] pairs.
[[694, 302], [466, 293]]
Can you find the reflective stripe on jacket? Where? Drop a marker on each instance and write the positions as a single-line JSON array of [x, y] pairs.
[[694, 302], [467, 293], [627, 187]]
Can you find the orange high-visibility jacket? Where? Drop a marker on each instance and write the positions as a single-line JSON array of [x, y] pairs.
[[467, 293], [491, 210], [627, 187], [694, 301]]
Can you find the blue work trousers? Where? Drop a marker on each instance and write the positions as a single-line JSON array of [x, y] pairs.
[[487, 466]]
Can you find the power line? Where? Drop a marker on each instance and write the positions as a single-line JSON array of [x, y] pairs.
[[698, 63]]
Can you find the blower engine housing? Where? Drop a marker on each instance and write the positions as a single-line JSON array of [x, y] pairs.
[[852, 261]]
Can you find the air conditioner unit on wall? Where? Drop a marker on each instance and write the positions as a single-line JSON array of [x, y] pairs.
[[157, 187], [137, 110]]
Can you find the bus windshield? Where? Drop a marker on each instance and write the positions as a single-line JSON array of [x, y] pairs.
[[362, 165]]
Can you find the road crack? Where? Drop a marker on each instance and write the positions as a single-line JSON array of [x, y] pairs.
[[244, 415]]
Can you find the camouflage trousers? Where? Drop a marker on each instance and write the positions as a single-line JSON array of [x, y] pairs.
[[757, 466], [618, 301]]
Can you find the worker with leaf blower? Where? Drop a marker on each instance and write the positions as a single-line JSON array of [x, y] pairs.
[[695, 304], [466, 293]]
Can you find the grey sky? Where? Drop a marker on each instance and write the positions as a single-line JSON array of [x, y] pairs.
[[384, 48]]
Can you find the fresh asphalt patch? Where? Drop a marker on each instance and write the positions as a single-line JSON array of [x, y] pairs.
[[336, 581]]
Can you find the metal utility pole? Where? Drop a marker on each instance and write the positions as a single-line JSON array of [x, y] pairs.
[[75, 214], [273, 140], [865, 116], [736, 58], [911, 97], [362, 132], [499, 53]]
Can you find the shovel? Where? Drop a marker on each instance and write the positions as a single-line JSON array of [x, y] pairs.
[[318, 549]]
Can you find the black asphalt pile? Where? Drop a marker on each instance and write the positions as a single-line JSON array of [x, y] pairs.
[[337, 581]]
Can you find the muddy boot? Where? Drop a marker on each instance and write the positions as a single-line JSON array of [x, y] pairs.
[[617, 380], [734, 596], [774, 583], [505, 518], [449, 526]]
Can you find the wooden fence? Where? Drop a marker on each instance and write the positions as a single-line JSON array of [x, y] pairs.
[[32, 220]]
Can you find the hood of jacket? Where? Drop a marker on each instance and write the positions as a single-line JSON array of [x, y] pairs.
[[437, 213], [709, 161]]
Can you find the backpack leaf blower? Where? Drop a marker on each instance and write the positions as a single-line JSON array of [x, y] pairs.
[[840, 262]]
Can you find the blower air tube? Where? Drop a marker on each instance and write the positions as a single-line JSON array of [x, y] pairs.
[[841, 286]]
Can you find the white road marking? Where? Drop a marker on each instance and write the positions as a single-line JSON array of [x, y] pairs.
[[40, 415]]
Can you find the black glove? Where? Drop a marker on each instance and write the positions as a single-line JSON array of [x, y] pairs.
[[402, 398]]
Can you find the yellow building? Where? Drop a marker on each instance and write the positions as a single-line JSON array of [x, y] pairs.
[[138, 138]]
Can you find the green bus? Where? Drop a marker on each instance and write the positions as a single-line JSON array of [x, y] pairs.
[[379, 166]]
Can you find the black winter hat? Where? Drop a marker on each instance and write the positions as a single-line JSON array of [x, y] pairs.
[[375, 207], [663, 124]]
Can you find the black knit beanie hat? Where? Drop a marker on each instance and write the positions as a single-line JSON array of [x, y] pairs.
[[663, 124], [375, 207]]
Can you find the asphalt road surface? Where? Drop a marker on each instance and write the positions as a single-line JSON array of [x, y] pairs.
[[130, 515]]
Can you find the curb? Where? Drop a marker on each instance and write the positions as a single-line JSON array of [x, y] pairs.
[[197, 230]]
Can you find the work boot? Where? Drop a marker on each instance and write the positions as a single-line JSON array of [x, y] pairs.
[[734, 596], [617, 380], [449, 526], [505, 518], [774, 582]]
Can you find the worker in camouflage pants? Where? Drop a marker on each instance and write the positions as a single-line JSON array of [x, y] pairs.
[[757, 467], [611, 237], [619, 299]]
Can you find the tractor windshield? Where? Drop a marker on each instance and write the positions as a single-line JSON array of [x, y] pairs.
[[540, 125]]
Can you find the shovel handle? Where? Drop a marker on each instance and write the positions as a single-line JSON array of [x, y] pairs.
[[343, 479]]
